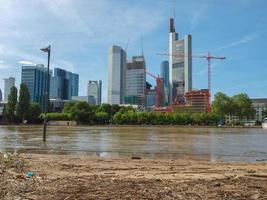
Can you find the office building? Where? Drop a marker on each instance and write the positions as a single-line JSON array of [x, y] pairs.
[[8, 84], [151, 96], [136, 81], [260, 106], [88, 99], [64, 84], [180, 65], [164, 75], [35, 79], [116, 75], [57, 105], [94, 89]]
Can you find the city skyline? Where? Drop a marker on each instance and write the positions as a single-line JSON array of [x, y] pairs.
[[80, 42]]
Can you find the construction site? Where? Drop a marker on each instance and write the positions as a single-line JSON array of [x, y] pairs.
[[173, 89], [179, 94]]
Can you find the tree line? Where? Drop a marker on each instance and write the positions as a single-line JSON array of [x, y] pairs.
[[239, 106], [19, 108], [84, 113]]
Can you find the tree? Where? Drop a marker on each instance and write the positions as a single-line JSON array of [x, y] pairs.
[[24, 101], [117, 118], [114, 109], [197, 118], [264, 113], [11, 104], [101, 117], [105, 108], [244, 105], [82, 113], [68, 107], [222, 104], [143, 118], [34, 112], [124, 109]]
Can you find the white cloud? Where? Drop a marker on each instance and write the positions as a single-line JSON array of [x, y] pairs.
[[24, 62], [77, 30], [245, 39]]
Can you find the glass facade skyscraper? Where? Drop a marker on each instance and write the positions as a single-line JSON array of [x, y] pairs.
[[164, 74], [94, 88], [64, 84], [136, 81], [35, 79]]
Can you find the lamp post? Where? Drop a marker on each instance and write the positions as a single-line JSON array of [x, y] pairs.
[[47, 85]]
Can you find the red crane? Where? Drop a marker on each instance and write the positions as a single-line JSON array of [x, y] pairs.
[[158, 87], [208, 57]]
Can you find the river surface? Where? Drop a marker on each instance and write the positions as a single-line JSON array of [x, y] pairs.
[[214, 144]]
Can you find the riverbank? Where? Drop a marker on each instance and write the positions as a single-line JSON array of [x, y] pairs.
[[70, 124], [89, 177]]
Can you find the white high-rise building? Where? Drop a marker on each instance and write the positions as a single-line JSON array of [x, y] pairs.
[[94, 89], [180, 65], [8, 84], [116, 75]]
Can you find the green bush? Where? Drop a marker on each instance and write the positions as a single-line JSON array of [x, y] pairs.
[[33, 115], [57, 116], [153, 118], [101, 118]]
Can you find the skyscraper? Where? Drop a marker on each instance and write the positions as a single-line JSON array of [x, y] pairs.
[[180, 65], [116, 75], [64, 84], [8, 84], [35, 79], [94, 89], [164, 74], [136, 81]]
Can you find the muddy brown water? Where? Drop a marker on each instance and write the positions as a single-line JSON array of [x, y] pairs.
[[214, 144]]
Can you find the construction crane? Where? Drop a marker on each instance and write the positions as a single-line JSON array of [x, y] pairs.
[[159, 88], [208, 57]]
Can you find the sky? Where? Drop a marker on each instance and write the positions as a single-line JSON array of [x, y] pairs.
[[81, 31]]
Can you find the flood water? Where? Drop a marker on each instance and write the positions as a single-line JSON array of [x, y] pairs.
[[214, 144]]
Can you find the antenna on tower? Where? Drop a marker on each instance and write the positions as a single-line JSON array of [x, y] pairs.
[[142, 46], [174, 8]]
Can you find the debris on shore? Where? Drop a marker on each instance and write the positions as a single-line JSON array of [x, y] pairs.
[[37, 176]]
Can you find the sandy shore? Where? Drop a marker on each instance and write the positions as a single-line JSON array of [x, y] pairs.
[[87, 177]]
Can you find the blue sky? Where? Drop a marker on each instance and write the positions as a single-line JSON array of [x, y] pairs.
[[81, 31]]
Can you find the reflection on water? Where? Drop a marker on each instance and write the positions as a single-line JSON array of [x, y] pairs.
[[172, 142]]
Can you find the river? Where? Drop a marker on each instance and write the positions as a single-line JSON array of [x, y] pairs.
[[214, 144]]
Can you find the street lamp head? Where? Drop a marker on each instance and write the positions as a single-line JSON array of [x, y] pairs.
[[46, 49]]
